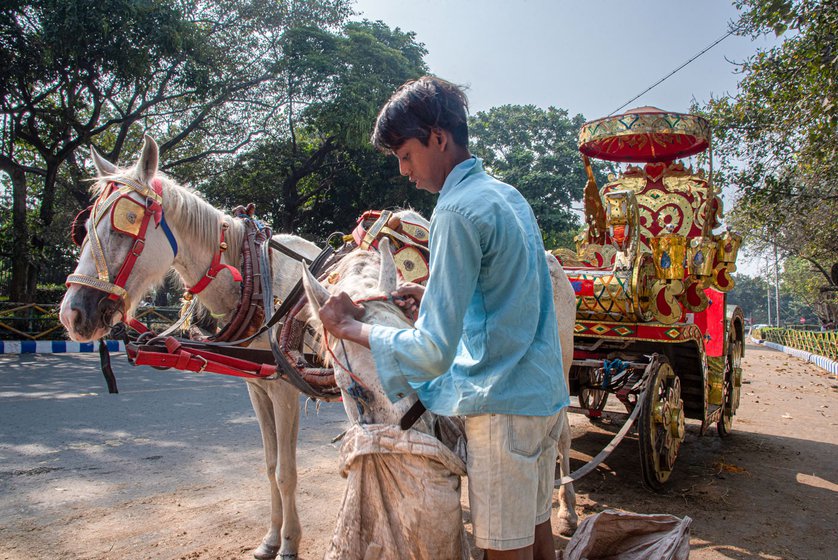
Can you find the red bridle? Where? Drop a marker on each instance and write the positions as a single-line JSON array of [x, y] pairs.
[[110, 197]]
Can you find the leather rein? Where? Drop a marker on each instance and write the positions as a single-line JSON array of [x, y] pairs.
[[227, 351], [223, 352]]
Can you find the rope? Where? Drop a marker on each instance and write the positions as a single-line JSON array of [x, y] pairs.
[[343, 366], [651, 87]]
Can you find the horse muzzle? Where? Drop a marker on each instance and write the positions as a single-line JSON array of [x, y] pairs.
[[88, 314]]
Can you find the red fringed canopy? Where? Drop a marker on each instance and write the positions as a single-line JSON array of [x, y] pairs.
[[645, 134]]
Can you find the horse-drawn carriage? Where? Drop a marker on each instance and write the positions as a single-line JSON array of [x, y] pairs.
[[652, 325], [650, 278]]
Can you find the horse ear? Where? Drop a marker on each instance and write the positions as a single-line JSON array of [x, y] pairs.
[[103, 166], [147, 166], [387, 276], [315, 292]]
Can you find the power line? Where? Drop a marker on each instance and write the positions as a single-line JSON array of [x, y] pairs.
[[713, 44]]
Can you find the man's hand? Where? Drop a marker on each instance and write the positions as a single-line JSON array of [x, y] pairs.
[[339, 312], [340, 317], [408, 296]]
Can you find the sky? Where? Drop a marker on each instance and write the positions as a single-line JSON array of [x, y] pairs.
[[586, 56]]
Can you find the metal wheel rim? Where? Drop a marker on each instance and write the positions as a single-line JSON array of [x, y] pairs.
[[592, 399], [663, 423], [731, 392]]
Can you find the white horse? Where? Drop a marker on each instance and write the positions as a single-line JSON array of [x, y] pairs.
[[365, 277], [88, 314]]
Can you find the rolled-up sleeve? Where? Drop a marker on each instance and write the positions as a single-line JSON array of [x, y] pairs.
[[405, 357]]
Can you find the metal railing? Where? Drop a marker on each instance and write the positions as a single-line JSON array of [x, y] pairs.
[[820, 343], [36, 321]]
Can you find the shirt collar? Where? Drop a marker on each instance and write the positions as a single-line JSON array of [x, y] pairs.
[[462, 170]]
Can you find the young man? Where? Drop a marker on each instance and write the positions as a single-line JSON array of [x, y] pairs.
[[485, 345]]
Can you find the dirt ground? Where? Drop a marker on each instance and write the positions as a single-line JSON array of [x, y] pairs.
[[767, 492]]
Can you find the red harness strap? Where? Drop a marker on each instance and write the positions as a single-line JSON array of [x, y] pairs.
[[152, 209], [200, 361], [133, 255], [136, 325], [216, 267]]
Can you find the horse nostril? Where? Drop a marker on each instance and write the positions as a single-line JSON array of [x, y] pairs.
[[75, 317], [76, 322], [108, 309]]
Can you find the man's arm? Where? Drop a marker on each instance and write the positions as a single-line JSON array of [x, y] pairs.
[[427, 351]]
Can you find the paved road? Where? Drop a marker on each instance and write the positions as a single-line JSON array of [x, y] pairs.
[[68, 445], [172, 468]]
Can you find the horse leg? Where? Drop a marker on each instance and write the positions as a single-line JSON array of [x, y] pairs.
[[286, 413], [568, 519], [261, 402]]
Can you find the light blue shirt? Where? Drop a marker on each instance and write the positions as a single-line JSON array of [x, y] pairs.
[[486, 339]]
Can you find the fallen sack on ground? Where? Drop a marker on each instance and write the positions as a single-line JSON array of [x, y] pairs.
[[402, 497], [621, 535]]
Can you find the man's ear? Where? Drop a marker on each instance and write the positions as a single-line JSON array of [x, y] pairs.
[[439, 138]]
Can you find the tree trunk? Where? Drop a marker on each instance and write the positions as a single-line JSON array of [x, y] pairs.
[[39, 235], [19, 289]]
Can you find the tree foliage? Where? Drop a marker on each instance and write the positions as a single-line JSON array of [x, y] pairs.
[[778, 136], [754, 294], [315, 176], [534, 150], [205, 77]]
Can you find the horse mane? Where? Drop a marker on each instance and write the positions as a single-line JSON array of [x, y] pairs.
[[188, 208]]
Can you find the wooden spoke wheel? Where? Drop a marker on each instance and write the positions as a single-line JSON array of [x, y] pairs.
[[732, 385], [661, 424], [590, 397]]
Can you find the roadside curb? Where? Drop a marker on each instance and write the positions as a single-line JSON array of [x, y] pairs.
[[55, 346], [825, 363]]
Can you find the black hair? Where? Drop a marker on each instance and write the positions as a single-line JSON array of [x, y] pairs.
[[416, 109]]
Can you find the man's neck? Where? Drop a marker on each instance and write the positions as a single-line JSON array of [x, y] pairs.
[[458, 155]]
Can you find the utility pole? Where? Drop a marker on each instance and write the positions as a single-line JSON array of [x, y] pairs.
[[768, 291]]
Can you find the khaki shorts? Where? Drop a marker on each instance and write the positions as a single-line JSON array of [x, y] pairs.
[[511, 472]]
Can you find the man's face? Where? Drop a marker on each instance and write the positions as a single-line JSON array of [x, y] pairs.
[[424, 165]]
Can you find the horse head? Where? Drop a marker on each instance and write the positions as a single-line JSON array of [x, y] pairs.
[[127, 247], [368, 277]]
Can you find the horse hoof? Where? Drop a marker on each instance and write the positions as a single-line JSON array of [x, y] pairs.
[[289, 556], [566, 528], [266, 552]]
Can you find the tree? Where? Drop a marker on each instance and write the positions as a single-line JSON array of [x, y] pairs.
[[753, 294], [778, 136], [534, 150], [314, 175], [202, 75], [59, 64], [804, 282]]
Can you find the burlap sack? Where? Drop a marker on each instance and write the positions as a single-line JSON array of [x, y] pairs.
[[402, 497], [621, 535]]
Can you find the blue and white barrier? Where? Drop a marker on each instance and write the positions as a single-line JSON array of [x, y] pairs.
[[829, 365], [55, 346]]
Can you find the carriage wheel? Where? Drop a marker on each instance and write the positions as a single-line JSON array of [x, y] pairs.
[[661, 425], [732, 386], [590, 398]]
